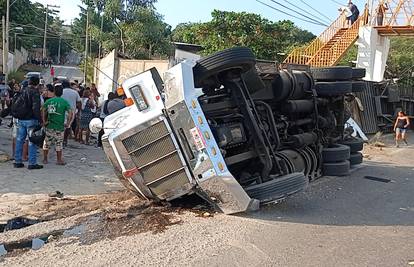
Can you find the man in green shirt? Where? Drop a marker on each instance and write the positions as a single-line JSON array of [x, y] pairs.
[[53, 114]]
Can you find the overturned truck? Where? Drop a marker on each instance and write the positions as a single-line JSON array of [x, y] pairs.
[[237, 132]]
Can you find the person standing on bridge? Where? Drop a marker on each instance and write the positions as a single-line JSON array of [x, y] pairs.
[[355, 12], [348, 14], [381, 9]]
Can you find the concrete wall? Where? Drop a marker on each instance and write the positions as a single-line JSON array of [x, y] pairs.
[[112, 68], [373, 52], [105, 74], [15, 60], [130, 68]]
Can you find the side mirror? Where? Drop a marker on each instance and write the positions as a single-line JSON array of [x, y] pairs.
[[95, 125]]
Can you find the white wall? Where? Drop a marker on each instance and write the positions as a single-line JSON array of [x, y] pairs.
[[104, 76], [15, 60], [113, 69], [373, 52]]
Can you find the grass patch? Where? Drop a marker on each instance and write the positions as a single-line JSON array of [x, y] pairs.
[[31, 67], [18, 75]]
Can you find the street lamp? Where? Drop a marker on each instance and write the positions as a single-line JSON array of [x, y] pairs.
[[15, 37]]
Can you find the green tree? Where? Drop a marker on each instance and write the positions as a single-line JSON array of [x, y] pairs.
[[144, 34], [401, 58], [31, 17], [147, 35], [227, 29]]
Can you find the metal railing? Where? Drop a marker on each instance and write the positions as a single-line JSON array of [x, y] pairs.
[[331, 55], [303, 55]]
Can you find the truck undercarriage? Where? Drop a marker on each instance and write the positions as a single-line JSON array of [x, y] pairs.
[[233, 130]]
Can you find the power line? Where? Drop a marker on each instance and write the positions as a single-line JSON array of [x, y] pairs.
[[288, 8], [49, 33], [317, 11], [288, 14], [307, 12], [33, 35], [336, 2]]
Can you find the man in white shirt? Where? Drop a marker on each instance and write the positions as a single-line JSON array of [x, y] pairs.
[[348, 14], [74, 100]]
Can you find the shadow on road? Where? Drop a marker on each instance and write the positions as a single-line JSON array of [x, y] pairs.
[[353, 200]]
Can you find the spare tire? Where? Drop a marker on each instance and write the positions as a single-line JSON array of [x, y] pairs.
[[358, 73], [240, 58], [356, 158], [336, 168], [332, 74], [278, 188], [333, 88], [355, 144], [358, 86], [336, 153]]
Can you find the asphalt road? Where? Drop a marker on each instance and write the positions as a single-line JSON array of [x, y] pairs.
[[337, 221], [70, 72]]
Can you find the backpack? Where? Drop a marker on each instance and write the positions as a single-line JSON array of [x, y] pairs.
[[20, 105], [105, 107]]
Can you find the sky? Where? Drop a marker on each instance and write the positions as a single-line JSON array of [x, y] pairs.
[[177, 11]]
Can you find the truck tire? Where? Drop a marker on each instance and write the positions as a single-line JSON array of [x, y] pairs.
[[336, 168], [358, 73], [332, 74], [356, 158], [335, 153], [358, 86], [240, 58], [355, 144], [333, 88], [278, 188]]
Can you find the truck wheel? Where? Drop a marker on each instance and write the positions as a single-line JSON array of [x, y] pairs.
[[358, 86], [355, 144], [278, 188], [336, 168], [356, 158], [237, 58], [358, 73], [332, 74], [333, 88], [335, 153]]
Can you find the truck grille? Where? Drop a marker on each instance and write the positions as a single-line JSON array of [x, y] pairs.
[[155, 155]]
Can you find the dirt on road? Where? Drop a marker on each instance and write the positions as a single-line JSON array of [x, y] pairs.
[[347, 221]]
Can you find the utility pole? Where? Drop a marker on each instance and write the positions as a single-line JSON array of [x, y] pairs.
[[60, 40], [86, 44], [45, 34], [100, 41], [6, 43], [3, 26]]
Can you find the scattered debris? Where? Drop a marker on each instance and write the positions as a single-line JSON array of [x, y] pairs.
[[207, 214], [378, 179], [378, 144], [19, 223], [4, 157], [57, 194]]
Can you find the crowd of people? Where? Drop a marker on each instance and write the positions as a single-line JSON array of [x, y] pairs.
[[60, 111], [44, 62]]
